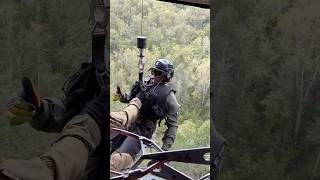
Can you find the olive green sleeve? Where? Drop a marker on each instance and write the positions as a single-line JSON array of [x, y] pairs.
[[171, 121]]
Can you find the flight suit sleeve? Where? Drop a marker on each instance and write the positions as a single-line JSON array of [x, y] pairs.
[[52, 117], [171, 122], [123, 119]]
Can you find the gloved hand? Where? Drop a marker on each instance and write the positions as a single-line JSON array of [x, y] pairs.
[[23, 107], [142, 96], [119, 92], [118, 95], [165, 147]]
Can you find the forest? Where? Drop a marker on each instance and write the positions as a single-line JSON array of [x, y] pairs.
[[265, 82], [48, 40]]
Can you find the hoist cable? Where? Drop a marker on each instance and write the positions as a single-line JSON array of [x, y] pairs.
[[141, 16]]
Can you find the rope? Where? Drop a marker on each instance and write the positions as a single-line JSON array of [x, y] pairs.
[[141, 16]]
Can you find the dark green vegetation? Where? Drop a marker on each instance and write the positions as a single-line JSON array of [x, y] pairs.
[[47, 40], [266, 87]]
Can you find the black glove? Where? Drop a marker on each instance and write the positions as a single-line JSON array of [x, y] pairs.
[[98, 110], [165, 147], [142, 96], [118, 95], [119, 92]]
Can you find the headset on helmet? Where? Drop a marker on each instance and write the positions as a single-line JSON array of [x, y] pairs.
[[165, 66]]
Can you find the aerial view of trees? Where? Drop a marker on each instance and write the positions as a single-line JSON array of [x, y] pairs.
[[266, 87]]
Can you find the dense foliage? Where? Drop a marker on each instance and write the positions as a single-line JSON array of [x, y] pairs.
[[45, 40], [266, 87]]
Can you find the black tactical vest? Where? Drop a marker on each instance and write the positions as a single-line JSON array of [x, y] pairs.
[[155, 107]]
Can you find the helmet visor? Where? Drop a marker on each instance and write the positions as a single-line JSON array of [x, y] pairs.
[[157, 72]]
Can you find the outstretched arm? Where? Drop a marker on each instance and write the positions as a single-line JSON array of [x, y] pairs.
[[123, 119]]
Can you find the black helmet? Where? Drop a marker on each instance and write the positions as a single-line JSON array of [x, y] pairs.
[[164, 66]]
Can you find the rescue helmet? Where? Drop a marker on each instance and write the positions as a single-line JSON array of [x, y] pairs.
[[163, 67]]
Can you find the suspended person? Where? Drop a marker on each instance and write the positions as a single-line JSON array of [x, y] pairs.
[[160, 104]]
